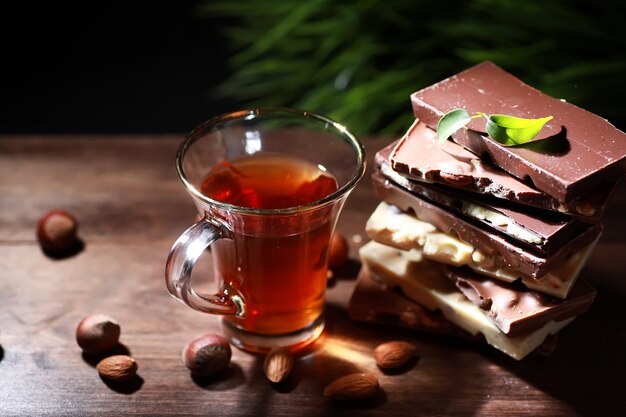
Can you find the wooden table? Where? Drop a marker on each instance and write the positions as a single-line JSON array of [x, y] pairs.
[[131, 207]]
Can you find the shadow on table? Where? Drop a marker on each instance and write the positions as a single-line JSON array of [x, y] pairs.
[[348, 347], [316, 365], [77, 247], [227, 379], [348, 271], [126, 387], [94, 358], [588, 367], [585, 373]]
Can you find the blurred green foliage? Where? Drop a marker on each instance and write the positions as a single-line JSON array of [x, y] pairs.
[[358, 61]]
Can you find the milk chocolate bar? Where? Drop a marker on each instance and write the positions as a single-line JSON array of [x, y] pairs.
[[515, 257], [574, 153], [418, 156], [516, 309], [543, 232], [373, 301], [424, 283], [390, 226]]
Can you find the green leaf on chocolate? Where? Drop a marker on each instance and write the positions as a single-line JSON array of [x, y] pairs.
[[497, 132], [507, 130], [514, 130], [451, 122]]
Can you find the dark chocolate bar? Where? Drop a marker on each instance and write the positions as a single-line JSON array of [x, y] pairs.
[[541, 231], [580, 150], [418, 156], [514, 308], [489, 242]]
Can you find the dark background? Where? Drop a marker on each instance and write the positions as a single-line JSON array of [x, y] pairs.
[[109, 67], [156, 67]]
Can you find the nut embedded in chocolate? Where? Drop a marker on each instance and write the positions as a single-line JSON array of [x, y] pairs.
[[418, 157], [515, 309], [514, 256]]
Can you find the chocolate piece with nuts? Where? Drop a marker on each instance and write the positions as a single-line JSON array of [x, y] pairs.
[[539, 230], [418, 156], [514, 308], [489, 242]]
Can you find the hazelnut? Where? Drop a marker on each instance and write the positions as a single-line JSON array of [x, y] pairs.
[[117, 368], [97, 333], [586, 209], [57, 230], [338, 251], [207, 355]]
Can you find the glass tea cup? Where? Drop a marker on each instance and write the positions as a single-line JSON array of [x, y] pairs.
[[269, 185]]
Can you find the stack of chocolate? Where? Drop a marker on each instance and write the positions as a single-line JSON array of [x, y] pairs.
[[484, 240]]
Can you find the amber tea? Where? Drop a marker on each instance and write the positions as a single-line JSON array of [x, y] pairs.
[[278, 266], [268, 181]]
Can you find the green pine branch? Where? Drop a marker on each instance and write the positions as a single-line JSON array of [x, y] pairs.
[[358, 61]]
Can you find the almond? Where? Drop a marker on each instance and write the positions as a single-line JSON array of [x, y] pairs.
[[117, 368], [394, 354], [357, 386], [278, 364]]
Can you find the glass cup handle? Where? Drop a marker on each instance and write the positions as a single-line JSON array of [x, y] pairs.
[[183, 256]]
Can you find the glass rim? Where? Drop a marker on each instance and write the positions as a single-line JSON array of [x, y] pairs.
[[248, 114]]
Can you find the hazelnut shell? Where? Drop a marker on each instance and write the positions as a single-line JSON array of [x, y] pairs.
[[207, 354], [57, 231], [97, 333]]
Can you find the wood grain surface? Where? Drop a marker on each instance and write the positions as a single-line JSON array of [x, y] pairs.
[[131, 207]]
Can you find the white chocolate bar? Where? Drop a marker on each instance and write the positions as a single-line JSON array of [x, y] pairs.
[[422, 282], [390, 226]]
